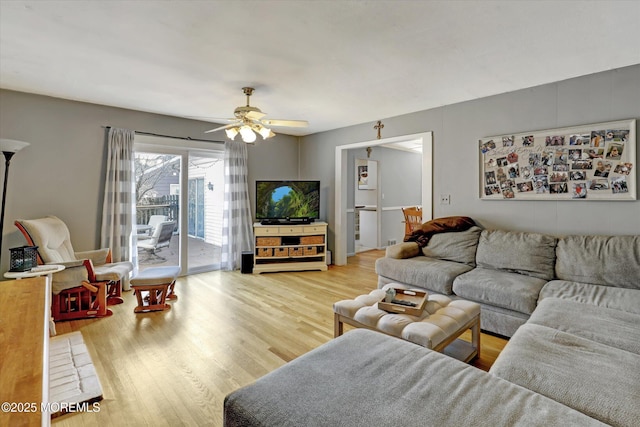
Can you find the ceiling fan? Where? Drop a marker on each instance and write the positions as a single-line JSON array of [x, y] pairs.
[[249, 121]]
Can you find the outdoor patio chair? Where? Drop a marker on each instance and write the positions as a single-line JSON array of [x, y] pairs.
[[150, 227], [52, 237], [161, 238]]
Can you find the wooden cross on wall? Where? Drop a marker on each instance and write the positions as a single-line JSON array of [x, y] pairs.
[[379, 127]]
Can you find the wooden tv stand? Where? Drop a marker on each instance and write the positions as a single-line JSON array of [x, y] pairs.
[[290, 247]]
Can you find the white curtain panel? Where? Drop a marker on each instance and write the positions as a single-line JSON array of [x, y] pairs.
[[118, 209], [237, 230]]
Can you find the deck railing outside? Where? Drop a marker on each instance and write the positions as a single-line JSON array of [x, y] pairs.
[[164, 205]]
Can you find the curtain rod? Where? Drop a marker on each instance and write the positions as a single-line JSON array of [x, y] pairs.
[[188, 138]]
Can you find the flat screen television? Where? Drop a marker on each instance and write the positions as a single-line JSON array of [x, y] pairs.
[[287, 200]]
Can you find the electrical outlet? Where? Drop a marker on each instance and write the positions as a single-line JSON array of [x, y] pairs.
[[445, 199]]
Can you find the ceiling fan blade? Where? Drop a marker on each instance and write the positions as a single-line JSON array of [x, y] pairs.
[[220, 120], [286, 123], [222, 127], [255, 115], [212, 119]]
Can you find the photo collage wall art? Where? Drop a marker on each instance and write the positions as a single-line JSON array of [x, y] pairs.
[[594, 162]]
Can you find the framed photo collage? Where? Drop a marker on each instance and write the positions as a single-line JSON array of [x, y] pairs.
[[590, 162]]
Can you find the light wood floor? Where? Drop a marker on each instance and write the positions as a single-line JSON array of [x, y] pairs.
[[225, 331]]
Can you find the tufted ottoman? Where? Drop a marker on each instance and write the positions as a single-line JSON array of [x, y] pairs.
[[441, 323]]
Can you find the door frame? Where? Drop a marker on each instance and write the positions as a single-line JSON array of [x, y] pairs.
[[342, 180]]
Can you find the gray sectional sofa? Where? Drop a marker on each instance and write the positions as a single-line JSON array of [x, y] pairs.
[[505, 271], [570, 304]]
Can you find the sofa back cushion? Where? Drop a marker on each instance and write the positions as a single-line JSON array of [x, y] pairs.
[[600, 260], [456, 246], [532, 254]]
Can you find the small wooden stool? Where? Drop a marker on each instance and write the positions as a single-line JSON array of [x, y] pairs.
[[158, 283]]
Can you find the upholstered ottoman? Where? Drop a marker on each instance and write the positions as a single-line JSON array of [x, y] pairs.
[[438, 327], [153, 287]]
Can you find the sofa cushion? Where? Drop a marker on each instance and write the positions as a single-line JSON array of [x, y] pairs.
[[595, 379], [615, 328], [600, 260], [513, 291], [365, 378], [500, 320], [424, 272], [532, 254], [459, 247], [603, 296]]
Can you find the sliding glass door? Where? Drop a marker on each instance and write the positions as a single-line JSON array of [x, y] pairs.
[[205, 199], [157, 202], [184, 187]]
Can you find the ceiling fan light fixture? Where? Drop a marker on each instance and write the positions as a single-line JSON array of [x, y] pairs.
[[265, 132], [247, 134], [231, 133], [249, 122]]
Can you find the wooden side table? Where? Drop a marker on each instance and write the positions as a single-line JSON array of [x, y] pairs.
[[54, 268]]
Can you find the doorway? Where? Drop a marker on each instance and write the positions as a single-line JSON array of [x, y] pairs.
[[187, 190], [342, 180]]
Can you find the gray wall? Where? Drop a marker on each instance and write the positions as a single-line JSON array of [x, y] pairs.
[[397, 168], [607, 96], [62, 172], [401, 186]]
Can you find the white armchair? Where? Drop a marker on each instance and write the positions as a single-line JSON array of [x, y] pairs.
[[51, 236]]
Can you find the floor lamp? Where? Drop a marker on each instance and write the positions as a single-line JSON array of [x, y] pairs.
[[9, 147]]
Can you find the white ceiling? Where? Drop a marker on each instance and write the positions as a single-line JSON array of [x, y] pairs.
[[333, 63]]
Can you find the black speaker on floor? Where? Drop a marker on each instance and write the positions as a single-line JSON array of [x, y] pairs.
[[247, 262]]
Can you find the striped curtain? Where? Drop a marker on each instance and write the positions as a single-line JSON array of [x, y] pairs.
[[118, 209], [237, 230]]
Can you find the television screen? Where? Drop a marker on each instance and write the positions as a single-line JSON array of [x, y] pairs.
[[287, 199]]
